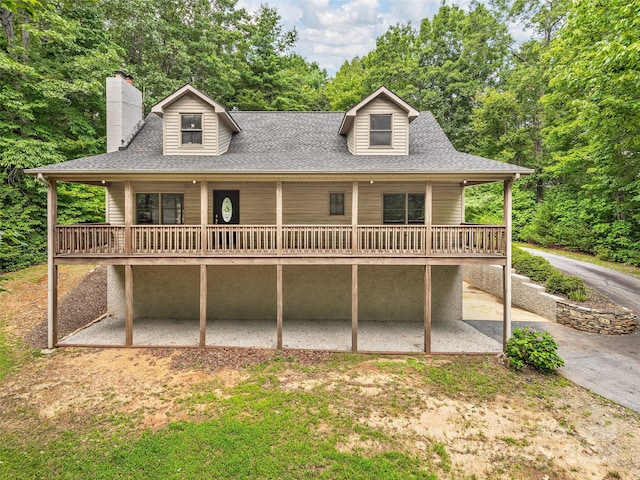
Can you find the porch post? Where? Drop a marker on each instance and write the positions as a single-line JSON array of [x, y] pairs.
[[427, 309], [279, 217], [204, 216], [128, 309], [128, 217], [279, 309], [203, 305], [52, 268], [506, 275], [354, 308], [354, 218], [428, 216]]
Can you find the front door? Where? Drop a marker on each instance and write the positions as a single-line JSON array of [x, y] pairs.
[[226, 207]]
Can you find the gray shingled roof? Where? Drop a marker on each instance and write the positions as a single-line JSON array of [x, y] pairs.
[[287, 142]]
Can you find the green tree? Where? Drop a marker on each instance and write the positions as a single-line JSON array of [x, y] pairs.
[[593, 115], [51, 109]]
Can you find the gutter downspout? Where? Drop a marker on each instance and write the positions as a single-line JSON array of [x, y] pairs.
[[52, 269]]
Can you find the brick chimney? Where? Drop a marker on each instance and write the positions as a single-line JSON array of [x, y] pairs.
[[124, 111]]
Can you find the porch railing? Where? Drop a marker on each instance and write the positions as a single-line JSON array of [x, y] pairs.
[[190, 240]]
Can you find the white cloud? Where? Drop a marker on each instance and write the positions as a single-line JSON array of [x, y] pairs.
[[333, 31]]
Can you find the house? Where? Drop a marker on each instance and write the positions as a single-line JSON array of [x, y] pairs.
[[318, 216]]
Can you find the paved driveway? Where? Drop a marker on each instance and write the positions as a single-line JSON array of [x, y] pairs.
[[608, 365], [622, 289], [605, 364]]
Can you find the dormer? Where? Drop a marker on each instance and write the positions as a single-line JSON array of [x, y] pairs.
[[194, 124], [379, 125]]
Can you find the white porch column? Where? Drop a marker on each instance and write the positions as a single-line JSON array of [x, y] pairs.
[[506, 275], [52, 268]]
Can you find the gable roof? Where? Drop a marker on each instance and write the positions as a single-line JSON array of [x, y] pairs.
[[294, 144], [159, 107], [350, 115]]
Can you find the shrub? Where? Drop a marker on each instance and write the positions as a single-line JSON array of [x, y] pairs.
[[536, 349], [541, 271], [572, 287]]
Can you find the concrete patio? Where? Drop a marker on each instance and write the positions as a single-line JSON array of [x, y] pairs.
[[335, 335]]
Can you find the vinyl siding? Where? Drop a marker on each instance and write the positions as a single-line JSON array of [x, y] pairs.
[[257, 201], [171, 128], [447, 201], [304, 203], [115, 204], [400, 129], [224, 138], [308, 203]]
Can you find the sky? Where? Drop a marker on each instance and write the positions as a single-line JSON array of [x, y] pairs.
[[332, 31]]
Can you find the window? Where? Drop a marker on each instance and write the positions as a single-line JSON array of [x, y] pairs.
[[380, 130], [403, 208], [191, 129], [160, 208], [336, 204]]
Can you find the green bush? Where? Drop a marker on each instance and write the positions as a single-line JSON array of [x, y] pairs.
[[535, 349], [541, 271], [572, 287], [536, 268]]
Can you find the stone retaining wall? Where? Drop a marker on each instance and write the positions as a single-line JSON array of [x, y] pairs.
[[532, 297], [589, 320]]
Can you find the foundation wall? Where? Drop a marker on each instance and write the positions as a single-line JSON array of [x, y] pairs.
[[309, 292]]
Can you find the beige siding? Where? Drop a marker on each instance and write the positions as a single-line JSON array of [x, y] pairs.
[[171, 127], [400, 126], [304, 203], [447, 204], [351, 141], [115, 204], [224, 135], [308, 203], [257, 201], [447, 201]]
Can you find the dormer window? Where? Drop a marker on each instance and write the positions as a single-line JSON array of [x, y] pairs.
[[191, 129], [380, 130]]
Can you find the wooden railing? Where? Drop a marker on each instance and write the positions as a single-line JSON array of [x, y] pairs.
[[327, 239], [396, 240], [468, 239], [241, 239], [90, 239], [166, 239], [176, 240]]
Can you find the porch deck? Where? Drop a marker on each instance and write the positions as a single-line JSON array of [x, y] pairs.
[[286, 240]]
